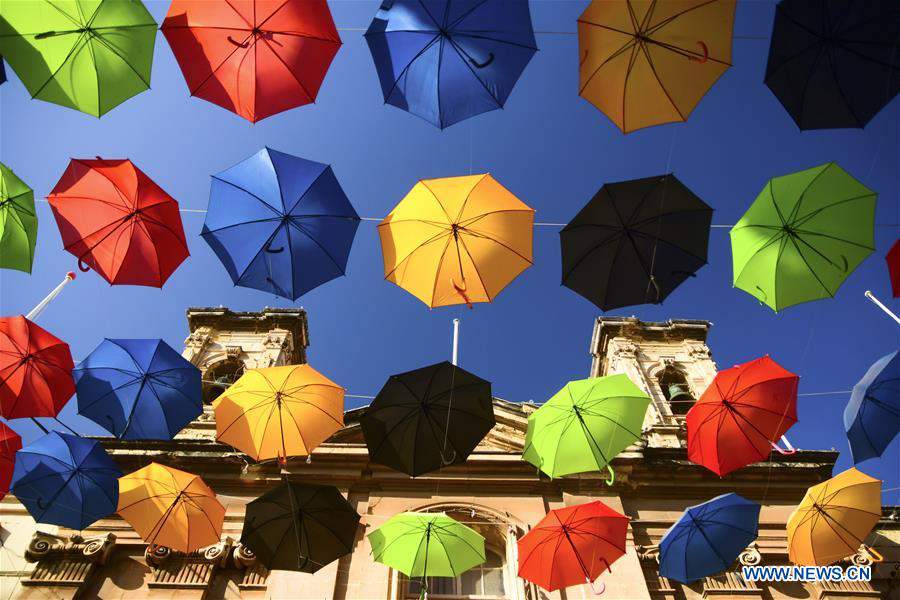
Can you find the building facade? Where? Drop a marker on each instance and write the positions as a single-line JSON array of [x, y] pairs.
[[495, 492]]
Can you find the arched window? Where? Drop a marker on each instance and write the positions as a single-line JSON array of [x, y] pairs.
[[484, 581], [219, 376], [676, 390]]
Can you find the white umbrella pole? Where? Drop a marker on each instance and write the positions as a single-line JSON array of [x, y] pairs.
[[31, 316], [878, 303], [455, 341]]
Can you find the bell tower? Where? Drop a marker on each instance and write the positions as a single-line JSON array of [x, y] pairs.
[[669, 360]]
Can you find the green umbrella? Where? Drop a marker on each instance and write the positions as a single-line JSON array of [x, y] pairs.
[[802, 236], [585, 425], [18, 223], [90, 55], [427, 545]]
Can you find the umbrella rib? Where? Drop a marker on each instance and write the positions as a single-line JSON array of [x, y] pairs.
[[411, 61], [212, 72], [465, 58], [806, 218], [461, 242], [668, 243], [643, 47], [417, 248], [209, 231], [808, 266], [481, 234], [312, 238], [76, 47], [112, 49], [671, 18], [470, 33], [630, 44], [289, 70]]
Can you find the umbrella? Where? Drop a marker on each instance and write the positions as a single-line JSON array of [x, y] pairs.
[[300, 527], [648, 63], [66, 480], [741, 415], [279, 412], [572, 545], [116, 221], [87, 56], [10, 443], [585, 425], [447, 61], [457, 240], [138, 389], [255, 58], [708, 538], [2, 71], [426, 419], [872, 417], [803, 236], [280, 223], [834, 518], [425, 545], [171, 508], [635, 242], [834, 63], [18, 222], [893, 261], [35, 370]]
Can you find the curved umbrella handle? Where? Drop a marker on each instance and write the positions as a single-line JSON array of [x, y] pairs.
[[271, 250], [612, 476], [598, 588], [482, 65], [84, 268], [873, 554], [784, 452], [237, 43], [705, 57], [461, 290]]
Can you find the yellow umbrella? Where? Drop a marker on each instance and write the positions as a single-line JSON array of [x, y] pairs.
[[645, 62], [171, 508], [457, 240], [279, 412], [834, 518]]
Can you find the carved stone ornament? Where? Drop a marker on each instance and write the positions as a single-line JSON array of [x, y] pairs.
[[243, 556], [233, 351], [223, 554], [751, 556], [45, 545], [698, 351], [625, 350], [156, 555], [277, 341], [862, 558], [648, 552], [199, 339]]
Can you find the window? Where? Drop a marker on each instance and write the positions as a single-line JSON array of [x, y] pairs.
[[219, 376], [676, 390], [484, 581]]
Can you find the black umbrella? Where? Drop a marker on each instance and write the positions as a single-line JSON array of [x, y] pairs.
[[835, 63], [635, 242], [425, 419], [2, 71], [300, 527]]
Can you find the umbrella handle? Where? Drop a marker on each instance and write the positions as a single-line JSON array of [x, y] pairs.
[[790, 449], [237, 43], [271, 250], [612, 476], [462, 292], [84, 268], [705, 57], [482, 65], [874, 554], [597, 591]]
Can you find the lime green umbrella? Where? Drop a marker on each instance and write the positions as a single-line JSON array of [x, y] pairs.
[[585, 425], [427, 545], [803, 236], [18, 223], [90, 55]]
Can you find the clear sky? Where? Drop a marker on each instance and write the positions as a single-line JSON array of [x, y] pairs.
[[548, 146]]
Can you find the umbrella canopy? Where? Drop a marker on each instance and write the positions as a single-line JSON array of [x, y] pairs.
[[834, 63], [300, 527], [741, 414], [429, 418], [585, 425], [427, 545], [118, 222], [171, 508], [90, 56], [572, 545], [457, 240], [66, 480], [18, 222], [893, 261], [280, 223], [803, 236], [635, 242], [10, 443], [255, 58], [708, 538], [447, 61], [35, 370], [138, 389], [279, 412], [834, 518], [647, 63], [872, 417], [2, 71]]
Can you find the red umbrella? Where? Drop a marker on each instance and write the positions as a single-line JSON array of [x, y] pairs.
[[741, 415], [572, 545], [893, 261], [10, 443], [118, 222], [35, 370], [256, 58]]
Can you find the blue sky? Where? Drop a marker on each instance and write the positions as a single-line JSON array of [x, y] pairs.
[[548, 146]]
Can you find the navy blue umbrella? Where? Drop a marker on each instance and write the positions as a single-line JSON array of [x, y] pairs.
[[448, 60], [66, 480], [708, 538], [872, 417], [138, 389], [280, 223]]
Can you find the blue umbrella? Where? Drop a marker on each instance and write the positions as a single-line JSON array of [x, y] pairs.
[[872, 417], [448, 60], [138, 389], [708, 538], [66, 480], [280, 223]]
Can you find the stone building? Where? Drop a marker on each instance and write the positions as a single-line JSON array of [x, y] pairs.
[[495, 492]]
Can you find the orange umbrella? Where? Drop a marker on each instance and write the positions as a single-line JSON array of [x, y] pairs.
[[171, 508], [457, 240], [279, 412], [647, 63]]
